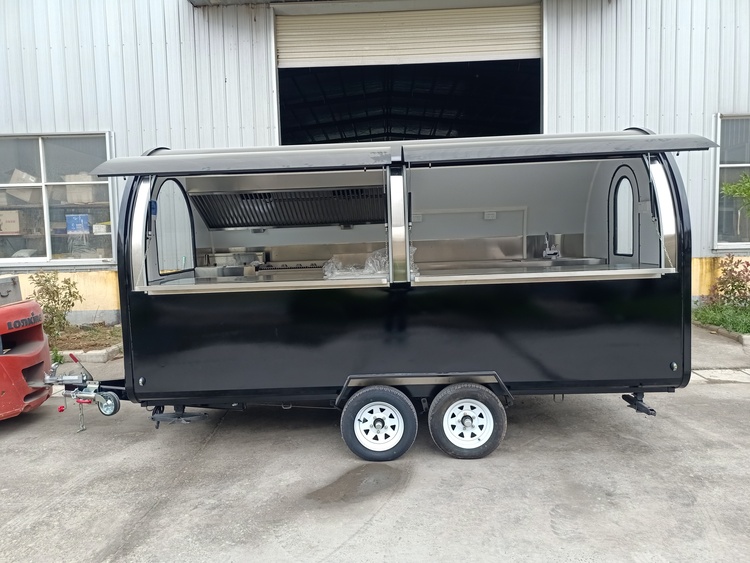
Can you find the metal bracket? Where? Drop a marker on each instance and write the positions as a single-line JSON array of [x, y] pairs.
[[158, 415], [635, 401]]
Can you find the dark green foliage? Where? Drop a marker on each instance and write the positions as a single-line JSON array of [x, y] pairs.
[[732, 287], [739, 189], [728, 304], [57, 298]]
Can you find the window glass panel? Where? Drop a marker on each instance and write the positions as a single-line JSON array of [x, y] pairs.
[[80, 230], [19, 161], [71, 159], [77, 219], [733, 222], [735, 141], [22, 233], [174, 234], [624, 218]]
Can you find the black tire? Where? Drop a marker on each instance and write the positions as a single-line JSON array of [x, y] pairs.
[[361, 415], [112, 405], [488, 424]]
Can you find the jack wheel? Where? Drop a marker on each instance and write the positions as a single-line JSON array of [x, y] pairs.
[[467, 421], [111, 404], [379, 423]]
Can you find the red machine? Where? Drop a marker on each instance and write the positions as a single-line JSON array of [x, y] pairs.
[[25, 358]]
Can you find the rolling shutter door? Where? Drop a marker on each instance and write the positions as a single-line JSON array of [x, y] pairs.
[[430, 36]]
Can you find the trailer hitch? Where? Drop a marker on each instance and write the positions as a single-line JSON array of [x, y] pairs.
[[88, 392], [158, 415], [635, 401]]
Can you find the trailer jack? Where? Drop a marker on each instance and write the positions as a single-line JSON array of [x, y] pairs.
[[635, 401], [158, 415]]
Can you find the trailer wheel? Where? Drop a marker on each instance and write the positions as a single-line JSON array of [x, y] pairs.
[[467, 421], [379, 423], [111, 404]]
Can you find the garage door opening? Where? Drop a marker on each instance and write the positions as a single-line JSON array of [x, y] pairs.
[[409, 101]]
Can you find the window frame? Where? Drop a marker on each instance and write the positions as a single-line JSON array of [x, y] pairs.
[[718, 166], [183, 194], [616, 238], [47, 261]]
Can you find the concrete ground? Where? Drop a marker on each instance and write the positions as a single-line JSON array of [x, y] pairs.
[[582, 480]]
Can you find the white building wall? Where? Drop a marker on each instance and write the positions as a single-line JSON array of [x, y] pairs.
[[155, 72], [162, 73], [667, 65]]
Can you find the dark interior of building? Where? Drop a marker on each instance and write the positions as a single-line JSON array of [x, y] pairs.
[[413, 101]]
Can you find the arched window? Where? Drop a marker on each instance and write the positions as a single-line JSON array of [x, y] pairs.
[[174, 231], [624, 217]]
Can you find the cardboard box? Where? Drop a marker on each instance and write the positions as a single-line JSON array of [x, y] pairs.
[[7, 199], [26, 195], [80, 177], [80, 194], [59, 227], [21, 177], [10, 222], [78, 224], [57, 193]]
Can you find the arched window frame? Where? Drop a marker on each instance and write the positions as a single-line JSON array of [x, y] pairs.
[[624, 217]]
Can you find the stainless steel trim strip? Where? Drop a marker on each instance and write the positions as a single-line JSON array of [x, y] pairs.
[[138, 233], [667, 215], [580, 275], [397, 242], [230, 287]]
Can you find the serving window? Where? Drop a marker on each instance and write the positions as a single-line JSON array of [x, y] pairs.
[[267, 231], [539, 221]]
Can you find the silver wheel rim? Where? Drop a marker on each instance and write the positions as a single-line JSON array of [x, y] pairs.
[[468, 424], [378, 426], [107, 407]]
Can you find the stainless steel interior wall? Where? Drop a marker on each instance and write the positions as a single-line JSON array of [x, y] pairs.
[[668, 65]]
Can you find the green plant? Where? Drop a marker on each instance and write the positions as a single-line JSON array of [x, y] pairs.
[[732, 287], [730, 317], [57, 357], [739, 189], [56, 297]]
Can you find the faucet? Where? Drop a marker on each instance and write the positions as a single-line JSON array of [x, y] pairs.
[[550, 251]]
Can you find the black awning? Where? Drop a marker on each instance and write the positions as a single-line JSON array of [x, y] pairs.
[[546, 147], [281, 159]]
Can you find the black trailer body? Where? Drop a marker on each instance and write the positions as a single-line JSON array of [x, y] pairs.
[[450, 274]]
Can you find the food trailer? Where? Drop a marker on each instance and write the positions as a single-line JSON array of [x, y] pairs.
[[448, 276]]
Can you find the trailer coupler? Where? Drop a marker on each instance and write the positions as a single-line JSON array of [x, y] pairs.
[[86, 391], [635, 401], [158, 415]]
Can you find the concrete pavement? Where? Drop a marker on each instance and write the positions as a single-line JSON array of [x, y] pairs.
[[582, 480]]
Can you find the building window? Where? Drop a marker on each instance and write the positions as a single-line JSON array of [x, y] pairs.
[[734, 160], [51, 207]]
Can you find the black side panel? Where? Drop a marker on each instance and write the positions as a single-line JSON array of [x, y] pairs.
[[546, 337]]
